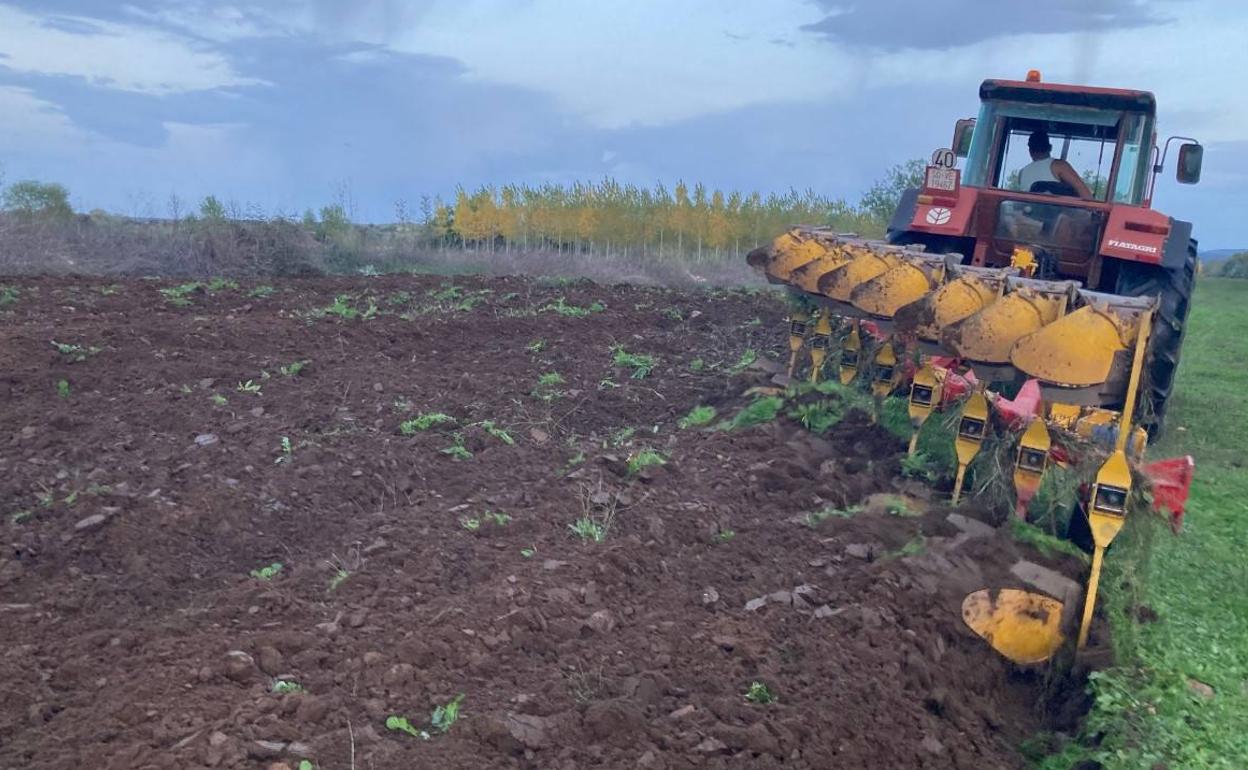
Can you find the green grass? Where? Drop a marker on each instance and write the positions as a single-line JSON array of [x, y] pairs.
[[815, 518], [644, 459], [561, 307], [589, 529], [641, 363], [424, 421], [1145, 710], [759, 693], [757, 412], [819, 416], [1042, 541], [698, 417], [267, 573]]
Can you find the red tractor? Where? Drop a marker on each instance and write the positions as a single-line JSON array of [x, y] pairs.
[[1111, 241]]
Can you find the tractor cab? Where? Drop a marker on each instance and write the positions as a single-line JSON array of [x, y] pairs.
[[1107, 137]]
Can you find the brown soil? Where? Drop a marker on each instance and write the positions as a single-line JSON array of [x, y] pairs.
[[132, 636]]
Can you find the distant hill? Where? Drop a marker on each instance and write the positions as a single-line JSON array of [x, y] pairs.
[[1217, 255]]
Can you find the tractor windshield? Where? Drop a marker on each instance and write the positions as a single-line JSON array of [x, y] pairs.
[[1088, 138]]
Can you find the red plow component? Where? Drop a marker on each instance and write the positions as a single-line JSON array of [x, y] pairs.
[[1172, 483]]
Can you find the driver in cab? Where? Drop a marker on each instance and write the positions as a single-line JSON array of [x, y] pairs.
[[1060, 176]]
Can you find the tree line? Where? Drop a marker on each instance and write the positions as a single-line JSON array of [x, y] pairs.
[[604, 217]]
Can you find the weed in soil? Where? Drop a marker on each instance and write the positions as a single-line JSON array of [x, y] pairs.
[[759, 411], [645, 458], [758, 693], [269, 572], [424, 421], [698, 417], [641, 364]]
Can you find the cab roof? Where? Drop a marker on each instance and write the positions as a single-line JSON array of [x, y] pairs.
[[1075, 96]]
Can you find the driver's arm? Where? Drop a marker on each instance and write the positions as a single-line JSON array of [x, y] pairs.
[[1066, 173]]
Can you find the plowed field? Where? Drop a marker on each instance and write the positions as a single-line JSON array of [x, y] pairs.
[[414, 453]]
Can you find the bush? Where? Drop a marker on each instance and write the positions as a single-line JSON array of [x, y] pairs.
[[1236, 266], [882, 198], [43, 200], [211, 209]]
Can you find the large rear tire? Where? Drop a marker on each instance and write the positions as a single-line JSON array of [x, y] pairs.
[[1173, 288]]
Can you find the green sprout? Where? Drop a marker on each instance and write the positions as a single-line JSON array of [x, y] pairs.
[[748, 357], [269, 572], [642, 364], [758, 693], [260, 292], [447, 293], [536, 346], [818, 417], [897, 506], [589, 529], [644, 458], [489, 427], [472, 524], [815, 518], [340, 576], [445, 716], [292, 369], [919, 466], [697, 365], [283, 686], [547, 386], [499, 518], [221, 284], [724, 535], [62, 388], [697, 417], [178, 296], [9, 295], [74, 354], [424, 421], [342, 308], [22, 516], [286, 451], [561, 307], [527, 553], [457, 451], [759, 411], [400, 724], [219, 399], [249, 387]]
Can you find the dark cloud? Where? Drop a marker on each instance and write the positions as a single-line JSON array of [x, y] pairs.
[[896, 24]]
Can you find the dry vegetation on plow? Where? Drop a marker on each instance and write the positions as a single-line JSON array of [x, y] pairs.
[[256, 524]]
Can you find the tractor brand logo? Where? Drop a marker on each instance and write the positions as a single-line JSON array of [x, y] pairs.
[[938, 215], [1117, 244]]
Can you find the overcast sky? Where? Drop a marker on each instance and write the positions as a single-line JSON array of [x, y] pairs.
[[284, 104]]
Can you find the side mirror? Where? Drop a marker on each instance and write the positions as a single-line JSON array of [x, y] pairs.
[[1191, 156], [962, 133]]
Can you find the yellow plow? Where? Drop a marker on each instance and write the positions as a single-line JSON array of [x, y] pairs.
[[904, 314]]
